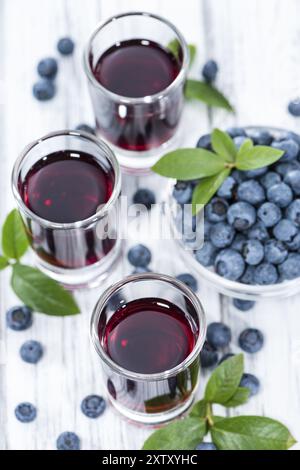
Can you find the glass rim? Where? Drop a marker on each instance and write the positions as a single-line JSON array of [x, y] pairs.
[[144, 99], [109, 154], [148, 277]]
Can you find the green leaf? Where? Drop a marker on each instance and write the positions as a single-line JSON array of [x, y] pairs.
[[206, 188], [223, 144], [240, 397], [199, 409], [184, 434], [188, 164], [14, 238], [193, 51], [251, 433], [202, 91], [257, 157], [3, 263], [41, 293], [246, 145], [224, 380]]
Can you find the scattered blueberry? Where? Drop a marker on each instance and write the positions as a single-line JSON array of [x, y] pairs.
[[210, 70], [251, 340], [208, 356], [218, 335], [145, 197], [281, 194], [251, 382], [230, 264], [251, 191], [65, 46], [265, 274], [141, 270], [183, 192], [241, 215], [25, 412], [236, 132], [290, 268], [44, 90], [292, 178], [93, 406], [290, 148], [270, 179], [139, 256], [243, 305], [47, 68], [216, 210], [19, 318], [204, 142], [188, 280], [225, 357], [258, 231], [31, 352], [293, 212], [285, 230], [253, 252], [269, 213], [227, 188], [275, 251], [206, 255], [206, 446], [86, 128], [68, 441], [221, 235], [294, 107]]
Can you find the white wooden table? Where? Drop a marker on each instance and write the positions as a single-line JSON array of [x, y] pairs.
[[256, 44]]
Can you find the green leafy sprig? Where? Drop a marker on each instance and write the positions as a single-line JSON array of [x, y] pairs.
[[237, 433], [213, 167], [34, 288]]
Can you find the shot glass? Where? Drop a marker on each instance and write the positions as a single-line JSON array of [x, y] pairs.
[[149, 398], [139, 127], [81, 253]]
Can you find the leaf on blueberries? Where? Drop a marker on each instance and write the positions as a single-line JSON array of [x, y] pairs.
[[223, 144], [41, 293], [240, 397], [257, 156], [199, 409], [206, 188], [251, 433], [246, 145], [3, 263], [190, 163], [184, 434], [206, 93], [224, 380], [14, 238]]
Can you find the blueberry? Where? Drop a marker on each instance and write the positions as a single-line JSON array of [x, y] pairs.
[[269, 213], [206, 255], [256, 173], [281, 194], [285, 230], [238, 242], [261, 138], [141, 270], [183, 192], [283, 168], [265, 274], [293, 212], [236, 132], [294, 107], [65, 46], [25, 412], [204, 142], [251, 382], [86, 128], [208, 356], [221, 235], [259, 232], [294, 244], [253, 252], [292, 178], [210, 70], [230, 264], [251, 340], [248, 276], [31, 351], [44, 90], [241, 215], [290, 148], [188, 280], [243, 305], [207, 228], [216, 210], [270, 179], [145, 197], [139, 256], [238, 176], [251, 191], [218, 335], [19, 318], [275, 252], [93, 406], [238, 141], [290, 268], [225, 357], [68, 441], [206, 446], [47, 68], [226, 190]]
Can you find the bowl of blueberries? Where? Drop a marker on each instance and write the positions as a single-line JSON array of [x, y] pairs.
[[251, 246]]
